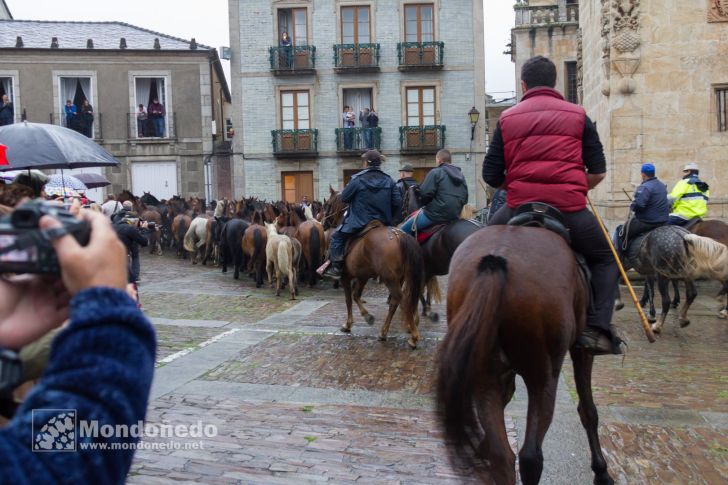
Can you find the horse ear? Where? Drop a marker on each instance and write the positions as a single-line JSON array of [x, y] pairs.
[[331, 190]]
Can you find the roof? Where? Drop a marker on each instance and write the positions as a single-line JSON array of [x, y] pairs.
[[5, 11], [38, 34]]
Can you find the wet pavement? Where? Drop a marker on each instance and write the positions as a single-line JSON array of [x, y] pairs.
[[296, 401]]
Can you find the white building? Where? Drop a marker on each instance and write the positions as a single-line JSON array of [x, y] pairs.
[[418, 63]]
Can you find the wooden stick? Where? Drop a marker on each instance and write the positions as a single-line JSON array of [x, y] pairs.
[[645, 324]]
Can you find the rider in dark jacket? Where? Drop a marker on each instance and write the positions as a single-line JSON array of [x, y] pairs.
[[443, 193], [403, 184], [372, 196]]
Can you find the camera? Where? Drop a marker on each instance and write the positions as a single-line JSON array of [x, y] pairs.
[[24, 248]]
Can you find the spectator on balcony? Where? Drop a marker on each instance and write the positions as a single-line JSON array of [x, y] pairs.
[[70, 112], [366, 132], [349, 124], [373, 121], [156, 112], [286, 55], [7, 113], [142, 121], [87, 119]]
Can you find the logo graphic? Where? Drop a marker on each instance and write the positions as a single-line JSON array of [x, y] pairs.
[[54, 430]]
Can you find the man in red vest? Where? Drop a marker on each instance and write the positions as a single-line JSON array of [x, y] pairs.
[[546, 149]]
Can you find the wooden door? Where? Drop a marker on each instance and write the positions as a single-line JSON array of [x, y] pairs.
[[295, 185], [420, 173]]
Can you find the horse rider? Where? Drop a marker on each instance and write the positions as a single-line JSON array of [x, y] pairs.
[[372, 196], [689, 197], [546, 149], [403, 184], [650, 208], [443, 193]]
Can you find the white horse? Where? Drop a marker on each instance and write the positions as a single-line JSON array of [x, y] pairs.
[[280, 259], [195, 237]]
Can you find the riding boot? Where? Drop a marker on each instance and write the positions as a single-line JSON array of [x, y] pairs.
[[599, 341], [334, 271]]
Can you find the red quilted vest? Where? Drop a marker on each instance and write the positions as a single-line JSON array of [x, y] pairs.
[[542, 139]]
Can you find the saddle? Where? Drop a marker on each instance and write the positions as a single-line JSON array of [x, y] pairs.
[[424, 235], [688, 225]]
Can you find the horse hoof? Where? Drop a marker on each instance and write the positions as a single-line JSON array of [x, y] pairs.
[[723, 314], [369, 319], [382, 338], [434, 317], [684, 322], [345, 329], [412, 344], [656, 329], [619, 306]]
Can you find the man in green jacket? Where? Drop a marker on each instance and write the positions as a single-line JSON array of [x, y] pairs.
[[689, 197], [443, 194]]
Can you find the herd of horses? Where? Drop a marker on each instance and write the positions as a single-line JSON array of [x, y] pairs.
[[516, 302]]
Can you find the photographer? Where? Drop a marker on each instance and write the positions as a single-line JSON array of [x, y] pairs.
[[101, 363], [128, 231]]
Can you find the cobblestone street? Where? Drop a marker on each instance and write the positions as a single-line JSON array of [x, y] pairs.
[[296, 401]]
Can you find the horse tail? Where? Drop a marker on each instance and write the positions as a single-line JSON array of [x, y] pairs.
[[414, 273], [464, 354], [258, 247], [314, 249], [181, 230], [189, 239], [285, 257], [708, 257], [433, 290]]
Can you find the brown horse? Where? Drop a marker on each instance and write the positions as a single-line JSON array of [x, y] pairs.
[[179, 228], [505, 319], [390, 255], [312, 238], [255, 239]]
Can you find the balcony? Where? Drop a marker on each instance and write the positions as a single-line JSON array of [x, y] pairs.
[[295, 143], [421, 139], [76, 123], [293, 60], [355, 141], [530, 16], [152, 129], [420, 56], [352, 58]]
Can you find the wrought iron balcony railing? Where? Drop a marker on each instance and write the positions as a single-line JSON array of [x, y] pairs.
[[152, 128], [356, 57], [420, 55], [291, 60], [91, 128], [422, 139], [295, 143], [355, 141]]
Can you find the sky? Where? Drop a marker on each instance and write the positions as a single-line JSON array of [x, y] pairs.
[[207, 22]]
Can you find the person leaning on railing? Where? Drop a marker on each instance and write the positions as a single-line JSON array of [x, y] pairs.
[[101, 363]]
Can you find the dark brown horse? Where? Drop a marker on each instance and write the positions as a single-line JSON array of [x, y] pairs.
[[505, 319], [180, 224], [437, 250], [255, 238], [390, 255]]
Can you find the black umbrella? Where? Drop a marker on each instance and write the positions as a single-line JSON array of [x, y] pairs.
[[92, 180], [38, 145]]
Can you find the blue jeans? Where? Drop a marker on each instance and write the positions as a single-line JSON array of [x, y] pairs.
[[348, 138], [337, 246], [367, 138], [423, 222], [158, 126]]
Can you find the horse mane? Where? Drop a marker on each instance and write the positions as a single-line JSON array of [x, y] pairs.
[[707, 257], [467, 212], [308, 213]]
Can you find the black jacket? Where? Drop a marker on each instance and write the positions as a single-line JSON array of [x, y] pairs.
[[372, 196], [130, 236], [405, 183], [650, 202], [444, 193]]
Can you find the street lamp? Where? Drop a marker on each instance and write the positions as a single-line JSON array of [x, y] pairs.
[[474, 115]]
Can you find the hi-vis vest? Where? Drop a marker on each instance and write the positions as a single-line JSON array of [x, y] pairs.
[[689, 202]]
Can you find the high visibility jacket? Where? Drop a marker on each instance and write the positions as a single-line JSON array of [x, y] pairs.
[[689, 201]]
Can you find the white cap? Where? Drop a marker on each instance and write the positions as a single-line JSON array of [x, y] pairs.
[[690, 166]]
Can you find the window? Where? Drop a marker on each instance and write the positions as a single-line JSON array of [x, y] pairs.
[[152, 93], [419, 23], [355, 25], [6, 87], [721, 95], [77, 90], [572, 95], [295, 110], [294, 22], [295, 185], [421, 106]]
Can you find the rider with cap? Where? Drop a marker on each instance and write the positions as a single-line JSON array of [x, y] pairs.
[[403, 184], [443, 193], [650, 206], [372, 196], [689, 197]]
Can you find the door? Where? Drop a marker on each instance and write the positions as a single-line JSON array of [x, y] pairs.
[[358, 99], [420, 173], [96, 195], [295, 185], [157, 178]]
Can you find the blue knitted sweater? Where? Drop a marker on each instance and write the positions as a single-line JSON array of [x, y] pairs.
[[101, 366]]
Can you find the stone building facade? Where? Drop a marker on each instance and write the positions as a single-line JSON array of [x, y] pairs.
[[652, 74], [419, 64], [116, 67]]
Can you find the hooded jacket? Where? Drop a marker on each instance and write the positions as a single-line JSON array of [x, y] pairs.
[[444, 193], [650, 202], [372, 196], [690, 198]]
